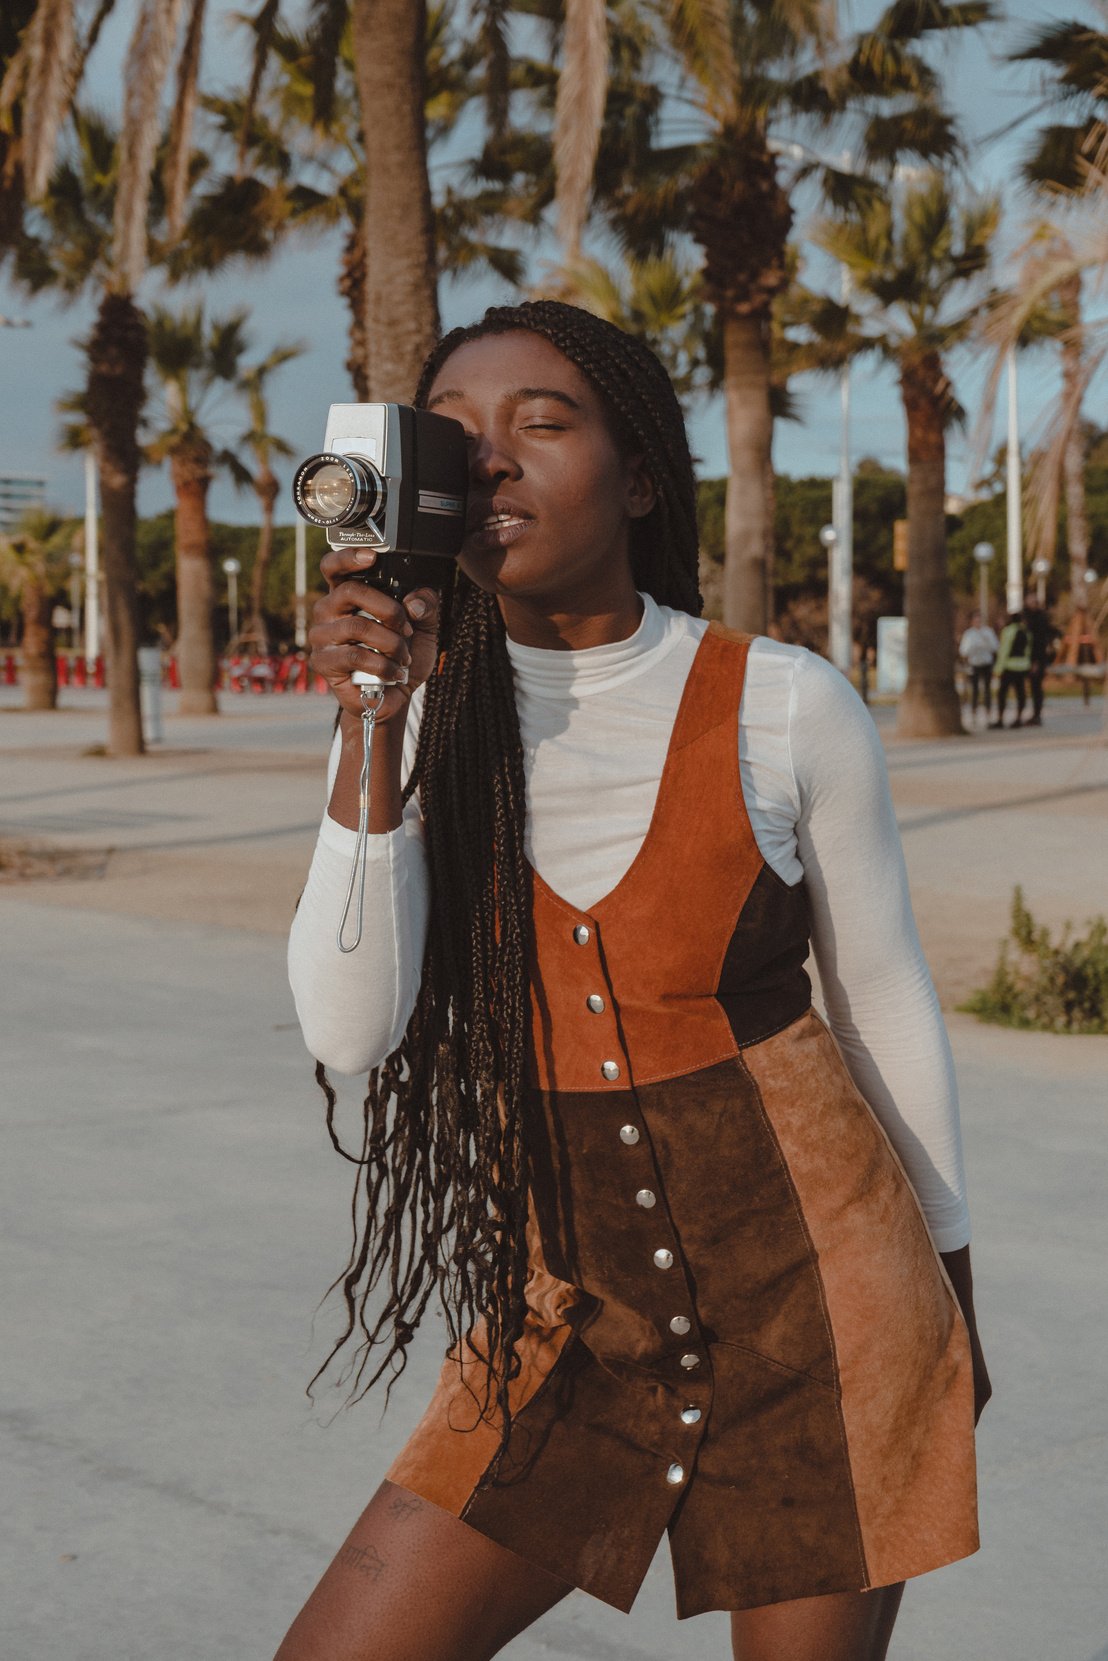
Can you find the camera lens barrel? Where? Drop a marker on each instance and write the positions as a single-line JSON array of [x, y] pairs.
[[331, 489]]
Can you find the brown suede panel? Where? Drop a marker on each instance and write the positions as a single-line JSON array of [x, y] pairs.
[[583, 1491], [457, 1438], [770, 1515], [657, 942], [901, 1345]]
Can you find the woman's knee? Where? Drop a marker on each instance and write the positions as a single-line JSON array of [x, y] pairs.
[[843, 1626]]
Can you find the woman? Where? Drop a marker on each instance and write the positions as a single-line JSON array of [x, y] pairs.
[[674, 1241]]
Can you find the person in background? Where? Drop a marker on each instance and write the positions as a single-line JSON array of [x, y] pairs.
[[1013, 660], [977, 649], [1041, 634]]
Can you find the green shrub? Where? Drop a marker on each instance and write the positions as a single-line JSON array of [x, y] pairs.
[[1049, 987]]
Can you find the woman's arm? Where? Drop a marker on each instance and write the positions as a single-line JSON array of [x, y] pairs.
[[881, 1001], [354, 1006]]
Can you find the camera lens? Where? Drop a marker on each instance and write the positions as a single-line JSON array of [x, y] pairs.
[[337, 490], [329, 491]]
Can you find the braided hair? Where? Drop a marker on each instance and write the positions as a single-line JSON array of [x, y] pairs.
[[441, 1200]]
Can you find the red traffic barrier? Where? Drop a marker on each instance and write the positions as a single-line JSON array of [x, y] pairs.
[[78, 674], [11, 676], [99, 679], [62, 666]]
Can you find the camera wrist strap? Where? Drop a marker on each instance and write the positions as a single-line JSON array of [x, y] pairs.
[[373, 696]]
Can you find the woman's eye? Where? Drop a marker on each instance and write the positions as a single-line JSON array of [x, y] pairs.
[[544, 427]]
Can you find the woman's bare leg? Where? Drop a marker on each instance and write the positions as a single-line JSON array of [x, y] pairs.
[[846, 1626], [412, 1583]]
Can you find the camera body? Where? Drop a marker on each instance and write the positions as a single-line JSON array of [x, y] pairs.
[[394, 479]]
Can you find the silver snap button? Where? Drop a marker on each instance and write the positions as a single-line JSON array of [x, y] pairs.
[[663, 1259], [582, 935], [629, 1134], [595, 1003], [610, 1069], [690, 1416], [675, 1474], [646, 1199], [689, 1360], [680, 1324]]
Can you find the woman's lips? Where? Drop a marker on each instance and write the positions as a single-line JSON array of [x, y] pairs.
[[499, 530]]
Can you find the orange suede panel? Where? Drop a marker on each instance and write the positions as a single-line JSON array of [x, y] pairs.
[[901, 1345], [656, 943], [454, 1443]]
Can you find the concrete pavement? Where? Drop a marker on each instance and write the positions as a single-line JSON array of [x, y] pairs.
[[173, 1210]]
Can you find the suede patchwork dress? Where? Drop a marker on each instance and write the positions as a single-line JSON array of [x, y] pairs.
[[739, 1329]]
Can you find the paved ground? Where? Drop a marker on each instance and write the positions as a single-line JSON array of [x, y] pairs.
[[173, 1210]]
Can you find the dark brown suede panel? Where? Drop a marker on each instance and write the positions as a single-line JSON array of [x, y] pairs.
[[770, 1515], [583, 1490], [763, 985]]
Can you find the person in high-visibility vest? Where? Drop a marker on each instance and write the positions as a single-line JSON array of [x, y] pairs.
[[1013, 660]]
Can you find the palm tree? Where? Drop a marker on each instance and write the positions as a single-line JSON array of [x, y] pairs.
[[757, 76], [193, 359], [34, 564], [915, 257], [116, 348], [1065, 166], [659, 298], [301, 163], [263, 445]]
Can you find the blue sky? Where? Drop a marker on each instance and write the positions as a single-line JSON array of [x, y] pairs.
[[294, 298]]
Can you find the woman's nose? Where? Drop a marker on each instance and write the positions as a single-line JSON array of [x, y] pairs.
[[490, 460]]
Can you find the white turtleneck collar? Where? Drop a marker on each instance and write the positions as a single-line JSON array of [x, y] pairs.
[[543, 672]]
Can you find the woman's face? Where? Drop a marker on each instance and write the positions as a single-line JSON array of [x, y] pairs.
[[551, 499]]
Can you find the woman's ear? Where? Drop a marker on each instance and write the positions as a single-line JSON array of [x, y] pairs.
[[640, 492]]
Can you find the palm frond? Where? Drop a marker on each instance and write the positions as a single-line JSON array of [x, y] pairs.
[[264, 25], [40, 78]]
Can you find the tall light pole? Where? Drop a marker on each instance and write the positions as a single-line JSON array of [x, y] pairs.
[[300, 582], [1040, 569], [1015, 518], [841, 579], [92, 563], [983, 553], [231, 569], [76, 561]]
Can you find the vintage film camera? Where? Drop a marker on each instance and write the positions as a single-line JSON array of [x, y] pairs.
[[393, 479]]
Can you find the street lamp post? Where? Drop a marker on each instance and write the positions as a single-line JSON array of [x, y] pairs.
[[1040, 569], [1014, 514], [231, 569], [983, 553], [76, 561], [829, 537], [92, 564], [300, 582]]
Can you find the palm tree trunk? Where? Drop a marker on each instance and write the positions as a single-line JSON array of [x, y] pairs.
[[116, 355], [195, 645], [352, 287], [40, 670], [747, 530], [928, 706], [267, 489], [402, 318]]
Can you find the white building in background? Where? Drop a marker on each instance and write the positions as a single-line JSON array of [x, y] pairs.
[[18, 492]]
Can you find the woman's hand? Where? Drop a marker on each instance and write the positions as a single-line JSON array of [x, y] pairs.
[[957, 1266], [398, 642]]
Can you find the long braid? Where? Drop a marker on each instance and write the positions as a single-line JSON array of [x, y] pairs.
[[441, 1200]]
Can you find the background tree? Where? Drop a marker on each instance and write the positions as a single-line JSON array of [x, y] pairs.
[[34, 565], [193, 360], [916, 256], [116, 348], [753, 78]]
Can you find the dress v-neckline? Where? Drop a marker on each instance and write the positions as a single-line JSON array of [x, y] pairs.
[[607, 900]]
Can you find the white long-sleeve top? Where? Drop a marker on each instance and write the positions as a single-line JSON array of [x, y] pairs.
[[596, 726]]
